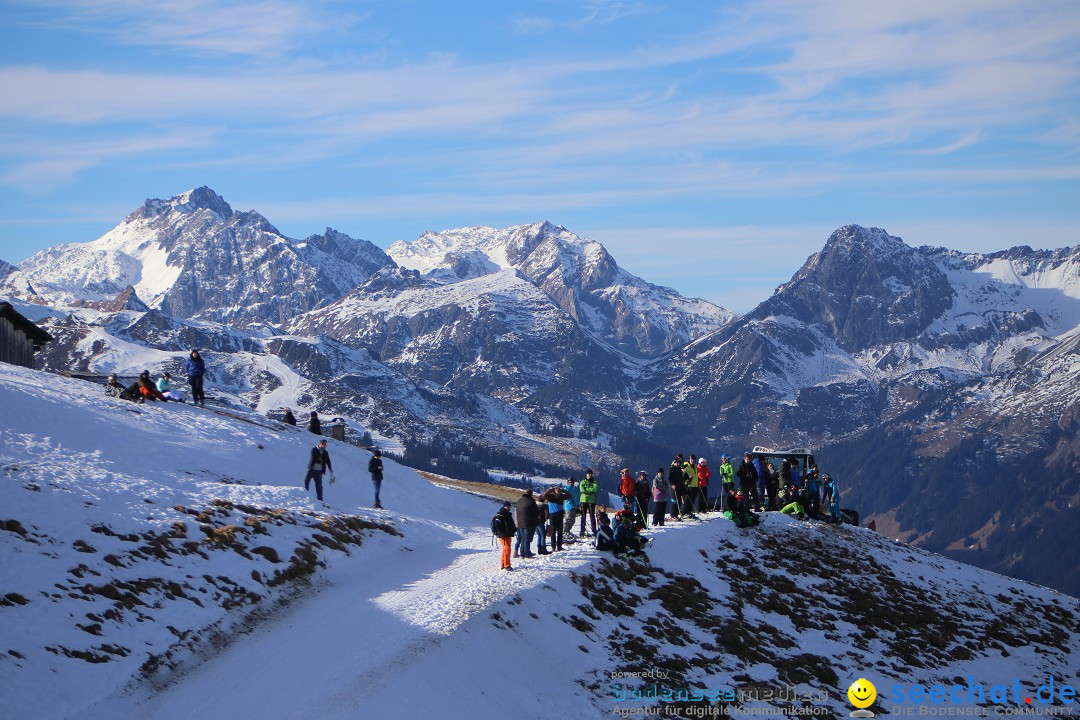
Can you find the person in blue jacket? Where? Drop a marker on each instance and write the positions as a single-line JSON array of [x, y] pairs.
[[196, 368], [627, 540], [570, 506], [759, 466]]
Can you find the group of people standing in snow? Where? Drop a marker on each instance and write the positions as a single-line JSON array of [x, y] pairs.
[[678, 493]]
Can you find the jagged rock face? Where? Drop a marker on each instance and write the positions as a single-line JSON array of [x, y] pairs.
[[495, 334], [6, 269], [578, 275], [194, 256], [866, 287]]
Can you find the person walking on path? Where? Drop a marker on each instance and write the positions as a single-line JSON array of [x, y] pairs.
[[374, 467], [196, 368], [502, 527], [313, 423], [318, 463], [589, 487]]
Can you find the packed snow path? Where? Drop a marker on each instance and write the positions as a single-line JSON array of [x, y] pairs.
[[376, 613]]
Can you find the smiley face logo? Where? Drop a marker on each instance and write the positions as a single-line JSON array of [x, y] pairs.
[[862, 693]]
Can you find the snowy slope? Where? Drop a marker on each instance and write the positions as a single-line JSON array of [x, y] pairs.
[[268, 603]]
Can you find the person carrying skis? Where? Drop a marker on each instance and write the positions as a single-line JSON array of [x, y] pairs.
[[503, 527], [318, 463], [589, 487], [196, 369], [375, 468]]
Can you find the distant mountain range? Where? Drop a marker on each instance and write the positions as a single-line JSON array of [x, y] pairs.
[[940, 387]]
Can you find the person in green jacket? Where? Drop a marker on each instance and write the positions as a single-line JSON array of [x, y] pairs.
[[587, 506], [727, 478], [689, 469]]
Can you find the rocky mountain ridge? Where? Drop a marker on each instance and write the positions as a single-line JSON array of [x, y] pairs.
[[957, 366]]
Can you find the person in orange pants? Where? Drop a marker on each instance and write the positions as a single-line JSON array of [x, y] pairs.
[[503, 527]]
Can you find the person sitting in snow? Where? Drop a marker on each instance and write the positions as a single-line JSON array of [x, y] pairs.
[[605, 536], [628, 541], [147, 388], [113, 388], [794, 506], [164, 386], [739, 512]]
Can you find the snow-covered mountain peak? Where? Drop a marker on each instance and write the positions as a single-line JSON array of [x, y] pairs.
[[577, 273], [866, 287], [194, 256], [189, 202]]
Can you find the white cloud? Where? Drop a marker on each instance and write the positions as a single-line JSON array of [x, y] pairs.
[[232, 27]]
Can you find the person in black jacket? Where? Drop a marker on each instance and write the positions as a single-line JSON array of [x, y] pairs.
[[503, 527], [313, 423], [528, 517], [677, 481], [748, 481], [318, 464], [374, 467], [289, 418]]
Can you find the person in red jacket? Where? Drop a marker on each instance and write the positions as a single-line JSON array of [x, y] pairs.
[[703, 475], [626, 489], [147, 388]]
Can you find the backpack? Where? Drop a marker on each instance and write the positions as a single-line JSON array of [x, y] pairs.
[[498, 525]]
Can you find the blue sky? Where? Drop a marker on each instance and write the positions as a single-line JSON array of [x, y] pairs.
[[710, 146]]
